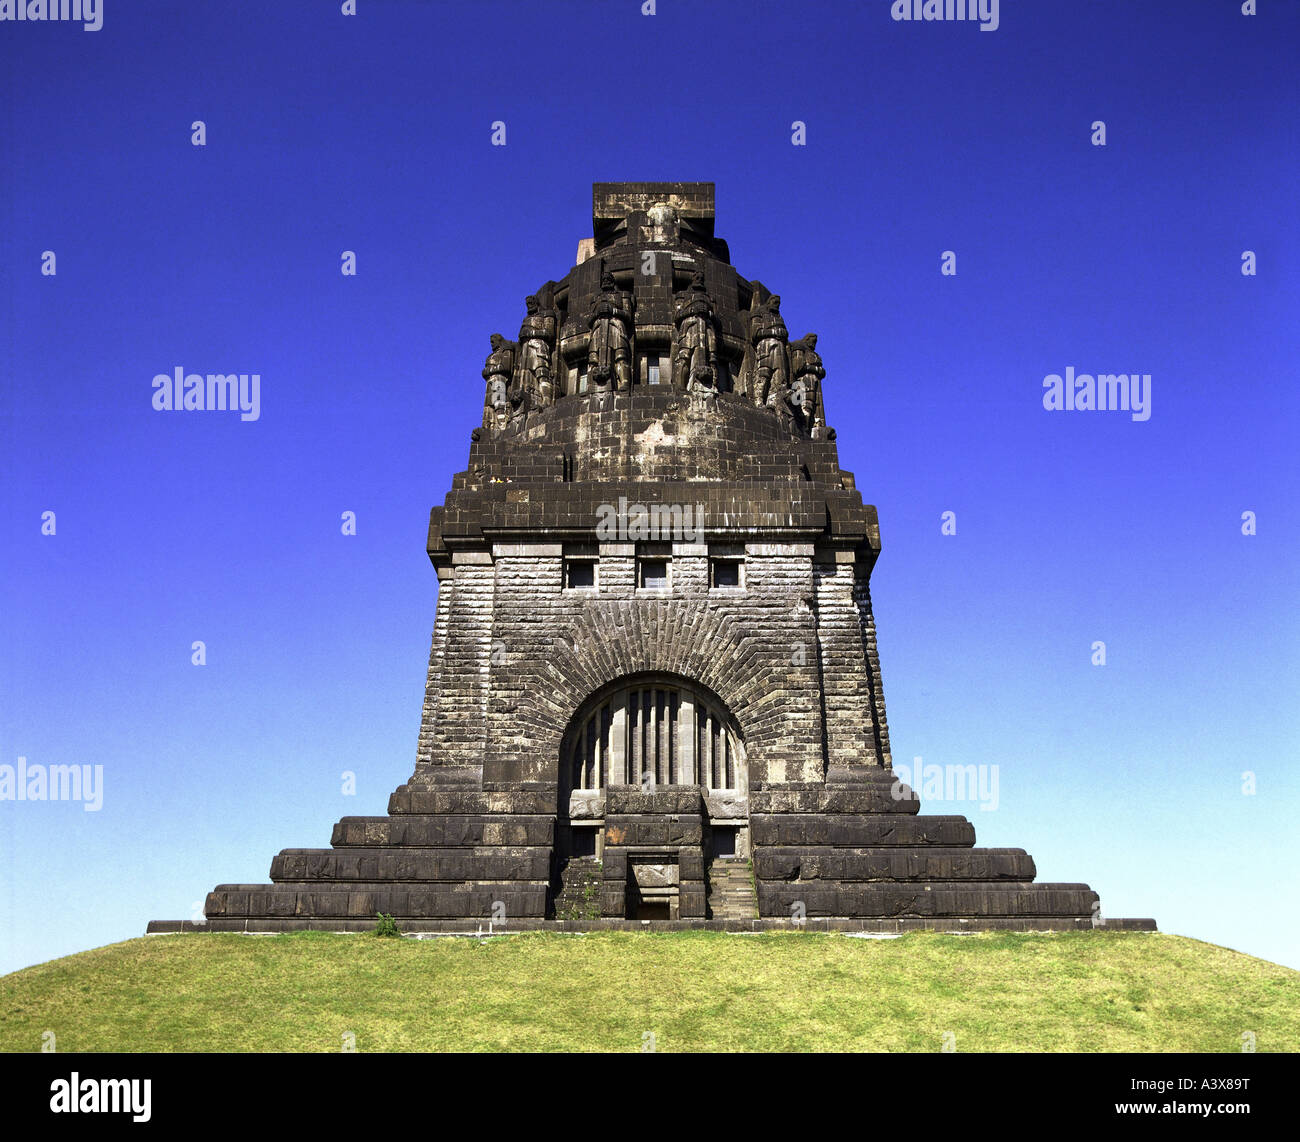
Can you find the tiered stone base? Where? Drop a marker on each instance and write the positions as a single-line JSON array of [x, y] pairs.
[[846, 856]]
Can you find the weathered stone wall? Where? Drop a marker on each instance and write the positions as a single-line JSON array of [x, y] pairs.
[[481, 832], [531, 651]]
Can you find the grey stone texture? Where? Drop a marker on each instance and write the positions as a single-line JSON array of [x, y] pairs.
[[775, 677]]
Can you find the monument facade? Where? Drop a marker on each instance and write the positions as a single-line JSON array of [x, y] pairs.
[[654, 692]]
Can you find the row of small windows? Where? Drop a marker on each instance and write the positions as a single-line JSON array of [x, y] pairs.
[[653, 574]]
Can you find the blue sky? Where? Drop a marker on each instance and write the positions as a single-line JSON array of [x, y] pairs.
[[372, 133]]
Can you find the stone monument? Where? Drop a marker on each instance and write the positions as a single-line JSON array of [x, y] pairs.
[[654, 693]]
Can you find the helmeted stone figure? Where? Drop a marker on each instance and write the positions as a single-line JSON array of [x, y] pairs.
[[498, 371], [805, 393], [769, 335], [520, 405], [609, 356], [697, 349], [537, 344]]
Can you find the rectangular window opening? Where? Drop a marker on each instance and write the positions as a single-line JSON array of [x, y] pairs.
[[653, 574], [724, 572], [579, 574]]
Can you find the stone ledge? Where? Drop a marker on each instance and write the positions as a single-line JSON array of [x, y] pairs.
[[846, 831], [1027, 924]]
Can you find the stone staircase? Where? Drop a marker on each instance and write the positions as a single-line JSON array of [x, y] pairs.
[[579, 894], [731, 890]]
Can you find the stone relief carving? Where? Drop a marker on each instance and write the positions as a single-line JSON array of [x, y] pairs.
[[805, 393], [498, 371], [537, 348], [768, 335], [663, 223], [696, 359], [609, 356], [777, 373]]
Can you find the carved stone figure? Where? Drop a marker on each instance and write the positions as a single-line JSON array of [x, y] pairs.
[[537, 342], [805, 393], [497, 371], [520, 405], [768, 334], [696, 360], [609, 357], [663, 223]]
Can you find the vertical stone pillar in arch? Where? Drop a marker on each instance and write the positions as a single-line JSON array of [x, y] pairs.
[[687, 760], [618, 761]]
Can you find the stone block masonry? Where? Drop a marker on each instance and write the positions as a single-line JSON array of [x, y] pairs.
[[654, 692]]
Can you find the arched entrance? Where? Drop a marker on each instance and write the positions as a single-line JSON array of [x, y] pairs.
[[653, 788]]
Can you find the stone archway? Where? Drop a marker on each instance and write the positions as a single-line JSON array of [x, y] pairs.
[[653, 785], [653, 729]]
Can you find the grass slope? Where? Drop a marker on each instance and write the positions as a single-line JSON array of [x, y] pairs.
[[1086, 991]]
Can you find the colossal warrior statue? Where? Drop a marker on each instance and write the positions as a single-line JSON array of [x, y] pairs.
[[497, 371], [537, 339], [769, 335], [609, 356], [697, 348], [805, 393]]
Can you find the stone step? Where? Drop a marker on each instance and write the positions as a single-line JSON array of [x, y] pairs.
[[451, 830], [579, 897], [879, 797], [731, 889], [935, 862], [397, 864], [419, 801], [867, 831], [938, 899], [361, 900]]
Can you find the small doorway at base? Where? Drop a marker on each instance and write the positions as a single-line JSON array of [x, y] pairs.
[[652, 888]]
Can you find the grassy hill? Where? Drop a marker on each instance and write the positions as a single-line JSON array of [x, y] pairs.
[[1085, 991]]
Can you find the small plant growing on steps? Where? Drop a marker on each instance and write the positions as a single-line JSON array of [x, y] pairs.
[[385, 926]]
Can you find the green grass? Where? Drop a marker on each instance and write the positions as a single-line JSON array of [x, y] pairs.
[[1085, 991]]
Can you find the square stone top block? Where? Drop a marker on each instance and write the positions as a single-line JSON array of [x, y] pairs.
[[613, 201]]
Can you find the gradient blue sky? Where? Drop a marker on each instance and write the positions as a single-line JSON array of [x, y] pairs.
[[372, 133]]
